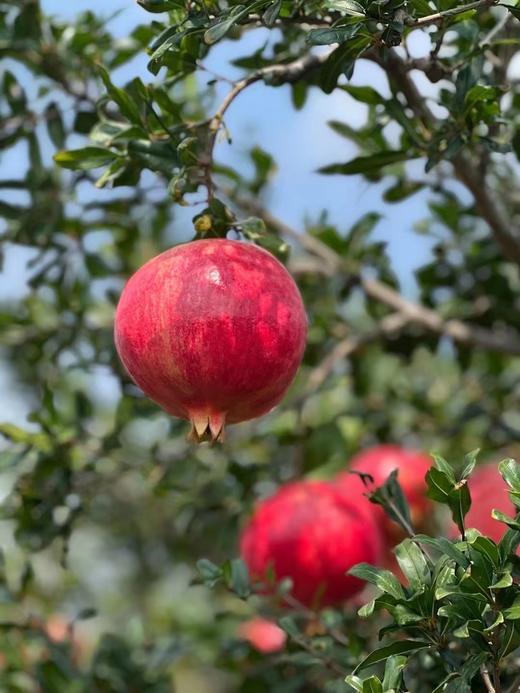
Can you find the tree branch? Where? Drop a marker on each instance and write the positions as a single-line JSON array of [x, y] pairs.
[[285, 73], [486, 679], [501, 341], [387, 326], [440, 16], [465, 168]]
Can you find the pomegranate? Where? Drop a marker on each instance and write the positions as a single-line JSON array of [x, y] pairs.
[[311, 532], [488, 492], [379, 462], [213, 331], [264, 635]]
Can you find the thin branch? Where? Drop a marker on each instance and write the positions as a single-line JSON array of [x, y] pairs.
[[466, 169], [501, 341], [389, 325], [285, 73], [486, 679], [440, 16]]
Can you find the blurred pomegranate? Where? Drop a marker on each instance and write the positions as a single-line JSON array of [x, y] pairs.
[[311, 532], [262, 634], [213, 331]]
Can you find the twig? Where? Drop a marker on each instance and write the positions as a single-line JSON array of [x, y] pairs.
[[504, 341], [387, 326], [286, 73], [486, 679], [440, 16], [465, 168]]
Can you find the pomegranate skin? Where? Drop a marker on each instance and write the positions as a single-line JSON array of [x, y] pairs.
[[309, 532], [379, 462], [488, 492], [213, 331], [264, 635]]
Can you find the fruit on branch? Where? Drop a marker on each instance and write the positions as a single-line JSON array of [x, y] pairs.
[[213, 331], [264, 635], [379, 462], [489, 492], [310, 532]]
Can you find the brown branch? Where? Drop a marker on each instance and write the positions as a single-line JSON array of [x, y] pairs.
[[440, 16], [502, 341], [486, 679], [466, 170], [285, 73], [387, 326]]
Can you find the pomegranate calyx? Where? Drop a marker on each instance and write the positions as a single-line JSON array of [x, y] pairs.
[[207, 427]]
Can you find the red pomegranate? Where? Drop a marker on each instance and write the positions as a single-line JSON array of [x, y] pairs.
[[213, 331], [379, 462], [264, 635], [310, 532], [488, 492]]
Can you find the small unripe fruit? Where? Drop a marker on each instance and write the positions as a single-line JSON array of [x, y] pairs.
[[379, 462], [264, 635], [311, 532], [213, 331]]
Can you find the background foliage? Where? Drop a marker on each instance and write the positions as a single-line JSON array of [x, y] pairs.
[[107, 507]]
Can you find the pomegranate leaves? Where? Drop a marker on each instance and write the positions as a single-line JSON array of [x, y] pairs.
[[458, 597]]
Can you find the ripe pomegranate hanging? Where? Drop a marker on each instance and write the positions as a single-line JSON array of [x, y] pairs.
[[213, 331], [312, 533]]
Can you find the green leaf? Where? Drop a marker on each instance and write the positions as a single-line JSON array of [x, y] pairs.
[[413, 564], [444, 467], [126, 104], [401, 647], [444, 546], [504, 581], [209, 572], [367, 164], [157, 6], [364, 94], [346, 6], [511, 522], [372, 685], [220, 29], [288, 624], [509, 543], [513, 612], [470, 461], [510, 471], [339, 34], [393, 672], [14, 93], [401, 190], [236, 576], [271, 14], [422, 8], [341, 61], [443, 488], [487, 548], [382, 579], [355, 682], [391, 496], [55, 126], [84, 159]]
